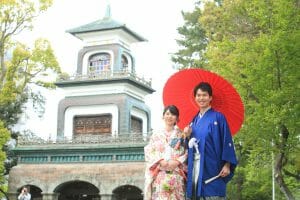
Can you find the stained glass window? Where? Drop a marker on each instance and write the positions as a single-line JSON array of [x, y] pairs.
[[99, 63]]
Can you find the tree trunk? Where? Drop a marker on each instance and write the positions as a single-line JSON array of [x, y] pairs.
[[279, 163], [2, 66]]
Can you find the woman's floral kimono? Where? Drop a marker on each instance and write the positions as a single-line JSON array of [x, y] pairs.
[[161, 184]]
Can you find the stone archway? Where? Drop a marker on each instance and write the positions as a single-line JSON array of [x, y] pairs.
[[128, 192], [35, 192], [77, 190]]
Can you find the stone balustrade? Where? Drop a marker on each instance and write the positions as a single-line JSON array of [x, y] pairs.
[[87, 139], [105, 75]]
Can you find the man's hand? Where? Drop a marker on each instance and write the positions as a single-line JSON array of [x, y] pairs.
[[187, 131], [225, 170]]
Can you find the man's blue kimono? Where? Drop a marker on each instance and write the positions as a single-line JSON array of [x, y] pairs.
[[216, 148]]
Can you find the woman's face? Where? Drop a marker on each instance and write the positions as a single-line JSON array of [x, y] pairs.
[[169, 118], [202, 99]]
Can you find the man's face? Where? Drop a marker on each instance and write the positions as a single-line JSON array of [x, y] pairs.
[[202, 99]]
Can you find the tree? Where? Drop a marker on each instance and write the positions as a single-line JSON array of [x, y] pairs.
[[21, 67], [256, 46], [194, 41], [261, 39], [4, 133]]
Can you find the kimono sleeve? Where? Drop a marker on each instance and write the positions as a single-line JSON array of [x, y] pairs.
[[228, 150], [152, 158], [153, 152]]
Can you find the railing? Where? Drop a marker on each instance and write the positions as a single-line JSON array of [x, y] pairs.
[[87, 139], [105, 75]]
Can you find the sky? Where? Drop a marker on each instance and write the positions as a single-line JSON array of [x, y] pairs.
[[155, 20]]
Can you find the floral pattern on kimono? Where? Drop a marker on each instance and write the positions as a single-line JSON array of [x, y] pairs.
[[161, 184]]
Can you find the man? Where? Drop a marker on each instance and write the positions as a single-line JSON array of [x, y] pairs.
[[24, 195], [211, 138]]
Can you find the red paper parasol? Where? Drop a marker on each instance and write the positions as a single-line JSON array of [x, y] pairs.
[[178, 91]]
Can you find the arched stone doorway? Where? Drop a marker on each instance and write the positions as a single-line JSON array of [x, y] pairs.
[[35, 192], [128, 192], [77, 190]]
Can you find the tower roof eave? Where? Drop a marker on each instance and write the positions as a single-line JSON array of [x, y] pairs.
[[72, 83], [104, 25]]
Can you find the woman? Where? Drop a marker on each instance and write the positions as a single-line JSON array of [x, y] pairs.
[[165, 157]]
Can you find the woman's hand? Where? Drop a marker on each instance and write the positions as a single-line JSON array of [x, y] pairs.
[[172, 164], [163, 164]]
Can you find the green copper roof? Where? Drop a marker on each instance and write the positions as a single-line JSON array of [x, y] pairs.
[[103, 25]]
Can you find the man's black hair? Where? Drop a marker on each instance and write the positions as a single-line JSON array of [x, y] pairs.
[[204, 86]]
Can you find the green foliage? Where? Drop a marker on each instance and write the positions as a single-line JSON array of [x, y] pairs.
[[256, 46], [193, 42], [4, 136], [21, 68], [25, 66]]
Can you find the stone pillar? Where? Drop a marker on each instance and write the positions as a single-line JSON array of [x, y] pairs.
[[12, 196], [50, 196], [107, 197]]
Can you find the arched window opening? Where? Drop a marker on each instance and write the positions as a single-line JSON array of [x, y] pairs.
[[35, 192], [129, 192], [99, 63], [124, 62], [77, 190], [136, 125]]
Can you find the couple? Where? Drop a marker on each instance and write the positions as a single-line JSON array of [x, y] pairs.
[[195, 164]]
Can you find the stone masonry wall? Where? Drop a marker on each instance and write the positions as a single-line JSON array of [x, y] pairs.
[[105, 176]]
